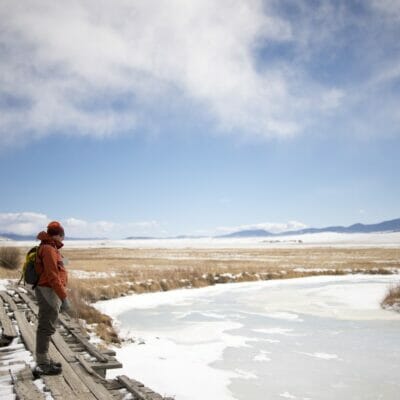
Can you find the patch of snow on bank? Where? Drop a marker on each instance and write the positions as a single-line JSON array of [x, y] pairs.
[[262, 356], [287, 395], [274, 331], [4, 283], [283, 315], [80, 274], [322, 356]]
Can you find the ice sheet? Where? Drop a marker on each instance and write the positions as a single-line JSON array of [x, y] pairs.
[[277, 337]]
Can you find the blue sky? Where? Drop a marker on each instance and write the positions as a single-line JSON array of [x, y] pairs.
[[201, 118]]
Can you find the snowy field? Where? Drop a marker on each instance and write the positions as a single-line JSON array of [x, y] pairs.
[[318, 239], [311, 339]]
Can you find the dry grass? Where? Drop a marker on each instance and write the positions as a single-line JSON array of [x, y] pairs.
[[115, 272], [10, 258], [145, 263], [392, 298], [152, 270], [82, 310], [9, 274], [95, 289]]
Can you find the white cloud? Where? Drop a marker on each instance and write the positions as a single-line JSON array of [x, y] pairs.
[[332, 99], [29, 223], [273, 227], [24, 223], [390, 8], [100, 68], [66, 65]]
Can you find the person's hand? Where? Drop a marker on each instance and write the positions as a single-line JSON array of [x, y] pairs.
[[65, 305]]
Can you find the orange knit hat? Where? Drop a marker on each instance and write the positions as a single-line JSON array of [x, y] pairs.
[[55, 228]]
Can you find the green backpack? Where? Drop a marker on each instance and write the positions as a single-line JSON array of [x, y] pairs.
[[29, 274]]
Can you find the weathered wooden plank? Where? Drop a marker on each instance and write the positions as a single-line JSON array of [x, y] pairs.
[[68, 372], [136, 383], [6, 323], [76, 347], [62, 347], [118, 395], [152, 394], [69, 323], [25, 388], [8, 299], [74, 330], [26, 330], [59, 342], [58, 387], [56, 384], [56, 338], [88, 368], [77, 388], [98, 390], [141, 392], [109, 352], [130, 387], [113, 384], [66, 321], [31, 304], [90, 348], [111, 364]]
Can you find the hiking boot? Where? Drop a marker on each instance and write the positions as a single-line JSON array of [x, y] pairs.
[[46, 369], [56, 364]]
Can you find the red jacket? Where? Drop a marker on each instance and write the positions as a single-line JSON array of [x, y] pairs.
[[50, 265]]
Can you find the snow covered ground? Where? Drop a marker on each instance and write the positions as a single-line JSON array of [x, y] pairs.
[[79, 274], [311, 338], [317, 239]]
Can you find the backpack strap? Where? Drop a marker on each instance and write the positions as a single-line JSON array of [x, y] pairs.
[[37, 257], [21, 278]]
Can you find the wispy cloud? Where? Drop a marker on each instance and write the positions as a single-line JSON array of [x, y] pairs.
[[102, 68], [390, 8], [273, 227], [30, 223], [24, 223]]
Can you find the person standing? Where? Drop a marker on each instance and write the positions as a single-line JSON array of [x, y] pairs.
[[50, 293]]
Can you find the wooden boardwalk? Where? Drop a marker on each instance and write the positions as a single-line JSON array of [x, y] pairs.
[[84, 366]]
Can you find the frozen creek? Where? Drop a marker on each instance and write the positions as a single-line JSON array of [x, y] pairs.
[[312, 338]]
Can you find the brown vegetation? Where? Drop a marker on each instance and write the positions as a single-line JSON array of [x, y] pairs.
[[177, 264], [118, 272], [10, 258], [84, 311], [114, 272], [392, 299]]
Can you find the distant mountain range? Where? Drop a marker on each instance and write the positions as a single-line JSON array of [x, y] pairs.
[[385, 226], [13, 236]]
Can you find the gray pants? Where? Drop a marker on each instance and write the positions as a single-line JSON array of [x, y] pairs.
[[49, 305]]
